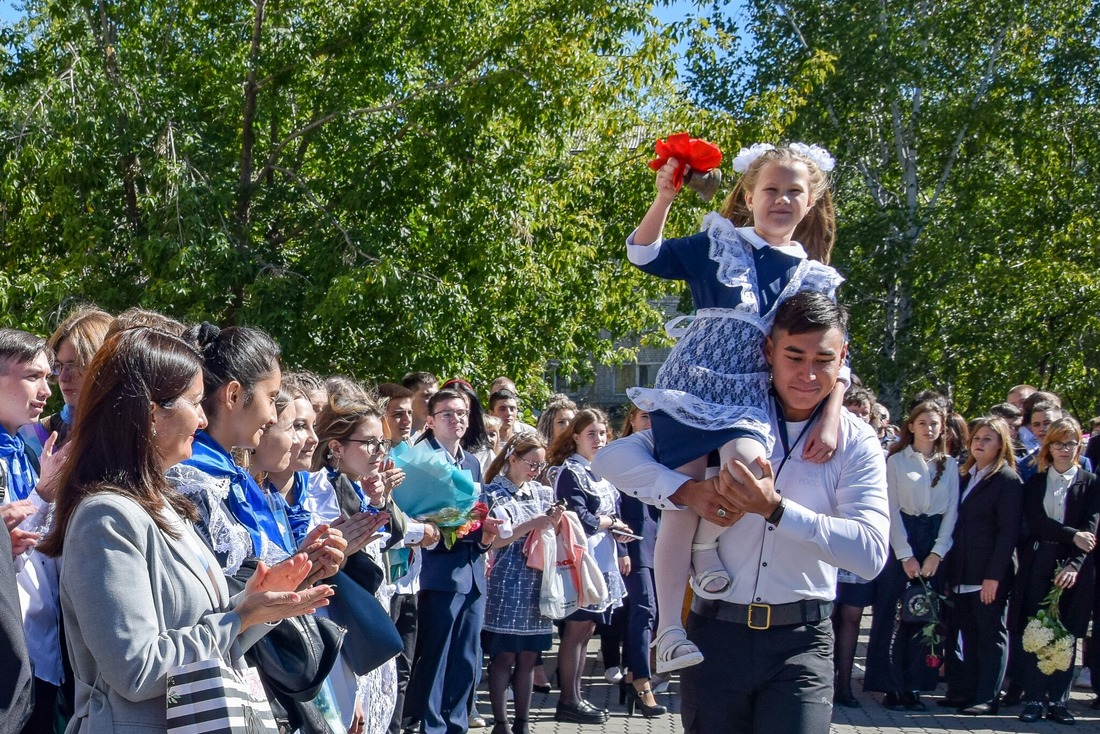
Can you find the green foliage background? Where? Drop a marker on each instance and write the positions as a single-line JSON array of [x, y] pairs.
[[390, 185]]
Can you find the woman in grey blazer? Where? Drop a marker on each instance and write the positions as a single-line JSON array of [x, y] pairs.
[[140, 592]]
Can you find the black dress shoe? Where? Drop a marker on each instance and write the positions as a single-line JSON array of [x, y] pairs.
[[578, 714], [892, 701], [1032, 712], [980, 709], [911, 701], [1060, 714], [586, 704], [541, 689], [847, 700], [954, 702], [1012, 697]]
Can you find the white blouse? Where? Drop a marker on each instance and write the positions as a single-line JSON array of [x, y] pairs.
[[1054, 501], [909, 487]]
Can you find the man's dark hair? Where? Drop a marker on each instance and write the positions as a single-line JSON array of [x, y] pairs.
[[860, 396], [19, 347], [1037, 397], [447, 394], [500, 396], [414, 380], [393, 391], [1008, 411], [1040, 407], [810, 311]]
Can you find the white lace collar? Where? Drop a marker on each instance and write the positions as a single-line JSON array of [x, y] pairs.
[[794, 249]]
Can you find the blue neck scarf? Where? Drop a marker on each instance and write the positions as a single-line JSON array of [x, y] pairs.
[[296, 513], [247, 502], [68, 412], [277, 503], [22, 477]]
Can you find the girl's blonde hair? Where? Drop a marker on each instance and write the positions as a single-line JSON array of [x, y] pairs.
[[86, 329], [1062, 430], [517, 445], [1005, 456], [817, 230], [338, 420]]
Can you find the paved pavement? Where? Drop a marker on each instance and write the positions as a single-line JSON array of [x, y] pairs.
[[871, 717]]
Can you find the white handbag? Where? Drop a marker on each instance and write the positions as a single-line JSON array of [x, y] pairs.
[[211, 697]]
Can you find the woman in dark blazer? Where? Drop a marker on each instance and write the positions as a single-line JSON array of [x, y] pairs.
[[979, 568], [1061, 512]]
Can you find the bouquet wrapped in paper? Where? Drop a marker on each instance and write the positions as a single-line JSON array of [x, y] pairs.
[[435, 490], [1047, 637]]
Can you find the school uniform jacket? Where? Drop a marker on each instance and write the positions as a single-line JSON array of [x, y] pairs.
[[986, 531], [1049, 544]]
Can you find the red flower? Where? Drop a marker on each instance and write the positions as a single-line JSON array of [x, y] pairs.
[[933, 661], [479, 511], [699, 154]]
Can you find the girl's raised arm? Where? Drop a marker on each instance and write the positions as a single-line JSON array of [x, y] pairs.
[[652, 225]]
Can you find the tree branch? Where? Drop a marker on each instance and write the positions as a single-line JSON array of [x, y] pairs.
[[451, 83], [983, 89]]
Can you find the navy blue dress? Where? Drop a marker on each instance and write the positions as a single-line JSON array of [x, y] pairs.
[[714, 386]]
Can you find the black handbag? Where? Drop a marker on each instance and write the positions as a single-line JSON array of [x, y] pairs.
[[372, 638], [297, 654], [919, 605]]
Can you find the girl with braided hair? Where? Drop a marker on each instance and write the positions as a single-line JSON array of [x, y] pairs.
[[922, 482]]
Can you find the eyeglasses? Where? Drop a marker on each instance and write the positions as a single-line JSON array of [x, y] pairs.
[[57, 368], [536, 466], [1064, 445], [374, 446], [452, 415]]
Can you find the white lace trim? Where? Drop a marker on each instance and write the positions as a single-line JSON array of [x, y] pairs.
[[716, 377], [733, 253], [226, 535]]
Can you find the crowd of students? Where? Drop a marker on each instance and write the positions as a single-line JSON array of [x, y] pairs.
[[190, 495], [990, 515]]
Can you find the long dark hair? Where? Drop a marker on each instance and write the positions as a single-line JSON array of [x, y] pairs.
[[476, 437], [112, 447], [235, 353]]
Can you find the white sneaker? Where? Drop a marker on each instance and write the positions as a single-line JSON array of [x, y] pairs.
[[1084, 678], [614, 674]]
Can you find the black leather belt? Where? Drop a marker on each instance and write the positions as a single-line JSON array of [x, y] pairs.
[[764, 616]]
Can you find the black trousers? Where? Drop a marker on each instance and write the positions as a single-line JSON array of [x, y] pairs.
[[979, 675], [1053, 688], [774, 681], [642, 615], [403, 613]]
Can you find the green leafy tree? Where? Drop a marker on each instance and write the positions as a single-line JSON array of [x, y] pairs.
[[381, 185], [964, 132]]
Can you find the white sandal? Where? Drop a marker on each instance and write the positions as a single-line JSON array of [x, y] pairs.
[[701, 579], [675, 650]]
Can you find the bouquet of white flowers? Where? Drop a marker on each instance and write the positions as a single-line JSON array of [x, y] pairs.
[[1047, 637]]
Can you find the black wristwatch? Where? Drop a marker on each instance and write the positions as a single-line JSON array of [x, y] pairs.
[[777, 513]]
